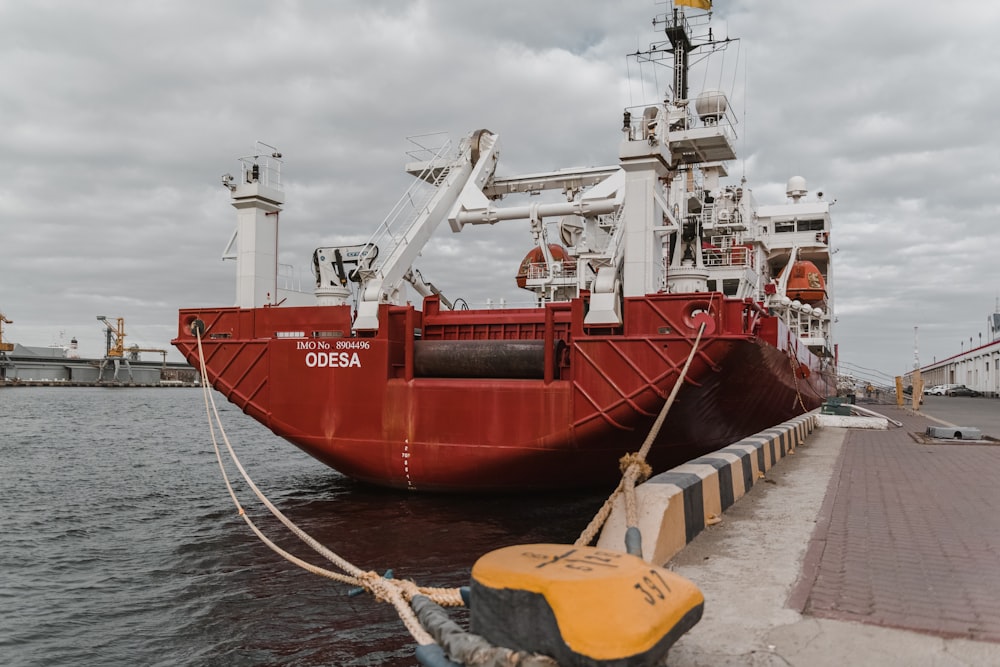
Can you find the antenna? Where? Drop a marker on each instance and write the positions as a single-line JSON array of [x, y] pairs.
[[746, 103]]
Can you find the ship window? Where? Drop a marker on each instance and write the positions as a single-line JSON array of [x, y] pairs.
[[711, 286], [810, 225], [787, 226], [730, 286]]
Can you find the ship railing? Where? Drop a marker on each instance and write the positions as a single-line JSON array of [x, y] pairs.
[[288, 278], [805, 325], [641, 127], [707, 212], [427, 147], [502, 303], [391, 232], [263, 167], [721, 251], [540, 270]]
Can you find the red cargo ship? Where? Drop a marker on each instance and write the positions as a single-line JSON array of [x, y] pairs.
[[630, 262]]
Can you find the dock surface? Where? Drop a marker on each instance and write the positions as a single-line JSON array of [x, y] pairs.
[[866, 547]]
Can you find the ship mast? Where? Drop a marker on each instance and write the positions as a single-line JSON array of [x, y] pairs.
[[698, 142], [677, 33], [683, 43], [257, 197]]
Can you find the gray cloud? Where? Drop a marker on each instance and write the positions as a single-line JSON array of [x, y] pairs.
[[119, 117]]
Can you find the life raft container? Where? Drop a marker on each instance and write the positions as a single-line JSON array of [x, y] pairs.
[[805, 282]]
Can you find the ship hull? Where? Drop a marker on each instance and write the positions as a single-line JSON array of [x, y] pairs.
[[410, 408]]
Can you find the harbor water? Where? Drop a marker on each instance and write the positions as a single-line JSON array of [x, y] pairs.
[[121, 545]]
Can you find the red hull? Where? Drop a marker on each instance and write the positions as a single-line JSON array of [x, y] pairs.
[[360, 405]]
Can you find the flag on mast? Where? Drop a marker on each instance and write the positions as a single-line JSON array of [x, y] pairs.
[[698, 4]]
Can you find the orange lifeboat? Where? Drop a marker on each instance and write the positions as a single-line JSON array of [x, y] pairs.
[[536, 256], [805, 283]]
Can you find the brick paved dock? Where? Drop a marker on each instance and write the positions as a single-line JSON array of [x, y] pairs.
[[908, 536], [865, 548]]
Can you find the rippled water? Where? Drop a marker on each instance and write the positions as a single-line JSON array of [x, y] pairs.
[[121, 546]]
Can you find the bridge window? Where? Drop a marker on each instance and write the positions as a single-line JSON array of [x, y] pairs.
[[783, 226], [810, 225]]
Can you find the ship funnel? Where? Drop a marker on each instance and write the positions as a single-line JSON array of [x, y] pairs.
[[711, 106]]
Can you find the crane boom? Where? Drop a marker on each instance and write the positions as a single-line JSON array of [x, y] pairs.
[[472, 168], [5, 347], [115, 347], [133, 352]]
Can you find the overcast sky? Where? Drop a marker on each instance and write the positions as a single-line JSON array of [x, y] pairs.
[[118, 118]]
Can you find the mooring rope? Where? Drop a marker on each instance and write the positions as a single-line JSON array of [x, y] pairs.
[[793, 360], [397, 592], [406, 595], [633, 466]]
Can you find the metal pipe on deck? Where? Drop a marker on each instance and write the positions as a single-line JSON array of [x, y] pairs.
[[501, 359]]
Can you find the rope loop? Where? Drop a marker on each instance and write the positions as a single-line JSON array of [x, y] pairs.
[[384, 590], [377, 585], [644, 470]]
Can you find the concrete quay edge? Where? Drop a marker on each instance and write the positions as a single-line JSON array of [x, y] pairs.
[[676, 505], [755, 566]]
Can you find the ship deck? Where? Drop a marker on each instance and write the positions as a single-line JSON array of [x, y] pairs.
[[110, 384]]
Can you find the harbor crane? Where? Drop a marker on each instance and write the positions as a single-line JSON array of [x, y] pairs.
[[114, 336], [5, 347], [117, 353], [115, 349], [115, 346], [133, 352]]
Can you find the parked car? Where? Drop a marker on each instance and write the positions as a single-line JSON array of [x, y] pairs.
[[940, 389], [962, 390]]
